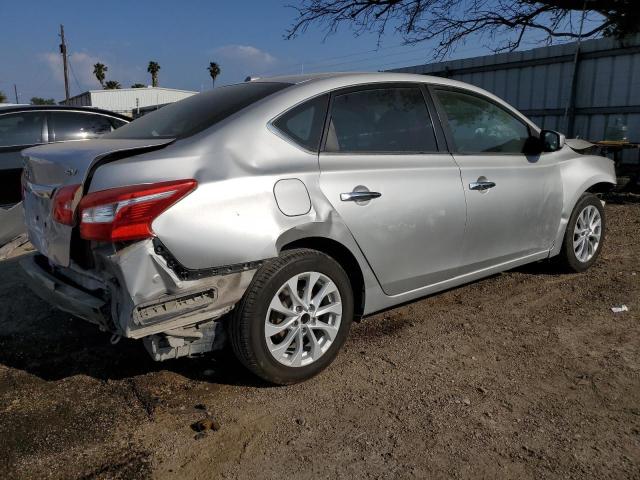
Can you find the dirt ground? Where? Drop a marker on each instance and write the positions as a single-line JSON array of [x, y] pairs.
[[527, 374]]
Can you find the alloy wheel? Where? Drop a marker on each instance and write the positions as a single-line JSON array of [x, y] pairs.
[[303, 319], [587, 233]]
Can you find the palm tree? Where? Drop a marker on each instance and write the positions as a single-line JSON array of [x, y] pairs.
[[153, 69], [138, 85], [3, 97], [214, 71], [112, 85], [99, 70]]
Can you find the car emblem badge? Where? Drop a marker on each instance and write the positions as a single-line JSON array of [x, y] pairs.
[[70, 172]]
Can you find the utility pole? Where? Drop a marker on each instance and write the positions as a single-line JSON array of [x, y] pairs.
[[63, 52], [15, 90]]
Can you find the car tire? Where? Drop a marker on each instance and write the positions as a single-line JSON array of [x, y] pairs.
[[315, 333], [586, 230]]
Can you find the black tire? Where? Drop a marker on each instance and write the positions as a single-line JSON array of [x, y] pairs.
[[247, 325], [568, 258]]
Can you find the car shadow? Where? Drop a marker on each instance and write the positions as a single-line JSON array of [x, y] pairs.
[[43, 341], [48, 343], [543, 267]]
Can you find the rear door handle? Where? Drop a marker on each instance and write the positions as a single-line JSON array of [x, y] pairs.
[[481, 185], [359, 196]]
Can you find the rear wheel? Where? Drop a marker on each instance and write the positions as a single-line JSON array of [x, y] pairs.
[[294, 317], [584, 236]]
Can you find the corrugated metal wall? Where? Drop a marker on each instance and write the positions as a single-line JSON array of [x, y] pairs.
[[606, 98]]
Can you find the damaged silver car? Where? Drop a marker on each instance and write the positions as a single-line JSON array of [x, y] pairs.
[[270, 214]]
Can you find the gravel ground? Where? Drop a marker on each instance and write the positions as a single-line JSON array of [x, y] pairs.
[[526, 374]]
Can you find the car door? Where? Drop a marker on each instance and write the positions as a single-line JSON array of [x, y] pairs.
[[514, 200], [401, 198]]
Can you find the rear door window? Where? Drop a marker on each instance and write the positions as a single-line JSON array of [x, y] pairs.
[[303, 123], [67, 126], [385, 120], [22, 128]]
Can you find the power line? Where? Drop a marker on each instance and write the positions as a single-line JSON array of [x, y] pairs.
[[323, 65], [74, 76], [355, 62], [332, 58]]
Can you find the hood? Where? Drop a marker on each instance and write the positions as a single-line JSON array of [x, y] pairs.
[[578, 144]]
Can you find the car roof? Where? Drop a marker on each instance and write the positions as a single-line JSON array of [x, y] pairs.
[[24, 108], [357, 78]]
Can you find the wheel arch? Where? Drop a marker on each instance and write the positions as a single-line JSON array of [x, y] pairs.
[[600, 187], [600, 182], [344, 257]]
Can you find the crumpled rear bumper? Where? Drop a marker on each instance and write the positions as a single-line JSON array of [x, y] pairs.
[[133, 293]]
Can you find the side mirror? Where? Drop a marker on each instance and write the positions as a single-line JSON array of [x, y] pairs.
[[551, 141]]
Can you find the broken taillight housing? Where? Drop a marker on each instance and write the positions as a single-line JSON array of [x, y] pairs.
[[126, 213], [64, 203]]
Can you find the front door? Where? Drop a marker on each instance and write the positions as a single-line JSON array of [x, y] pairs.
[[514, 200], [402, 199]]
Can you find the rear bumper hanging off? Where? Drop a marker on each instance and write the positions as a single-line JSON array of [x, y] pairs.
[[134, 293]]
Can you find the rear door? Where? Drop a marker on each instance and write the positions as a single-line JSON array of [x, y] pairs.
[[399, 194], [514, 200]]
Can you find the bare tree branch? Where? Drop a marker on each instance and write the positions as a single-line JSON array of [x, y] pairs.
[[452, 22]]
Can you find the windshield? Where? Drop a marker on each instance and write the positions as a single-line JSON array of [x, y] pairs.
[[194, 114]]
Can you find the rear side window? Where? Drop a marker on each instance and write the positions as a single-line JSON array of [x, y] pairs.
[[381, 120], [194, 114], [24, 128], [78, 126], [303, 123], [478, 125]]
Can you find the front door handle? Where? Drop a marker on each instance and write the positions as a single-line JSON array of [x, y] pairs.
[[481, 185], [359, 196]]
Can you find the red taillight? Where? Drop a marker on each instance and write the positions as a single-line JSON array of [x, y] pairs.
[[126, 213], [64, 203]]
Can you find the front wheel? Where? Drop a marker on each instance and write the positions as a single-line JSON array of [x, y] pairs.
[[584, 236], [294, 317]]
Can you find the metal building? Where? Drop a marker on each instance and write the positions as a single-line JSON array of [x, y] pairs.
[[592, 92], [128, 100]]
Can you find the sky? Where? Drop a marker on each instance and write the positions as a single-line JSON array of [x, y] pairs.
[[245, 37]]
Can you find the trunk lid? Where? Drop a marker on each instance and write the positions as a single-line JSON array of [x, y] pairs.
[[50, 167]]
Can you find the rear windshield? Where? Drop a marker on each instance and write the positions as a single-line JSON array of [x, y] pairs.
[[194, 114]]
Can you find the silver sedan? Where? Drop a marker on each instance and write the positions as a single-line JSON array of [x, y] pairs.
[[273, 213]]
